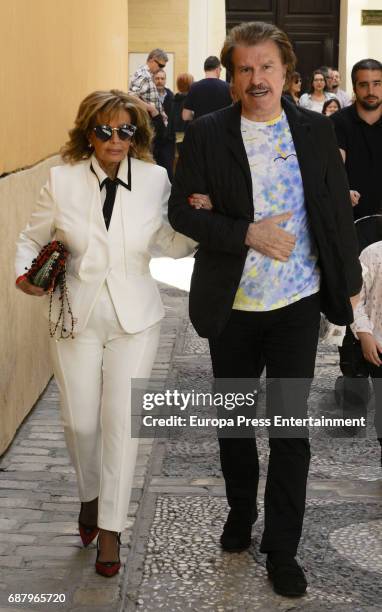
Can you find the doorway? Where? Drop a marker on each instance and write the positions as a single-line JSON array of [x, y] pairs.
[[311, 25]]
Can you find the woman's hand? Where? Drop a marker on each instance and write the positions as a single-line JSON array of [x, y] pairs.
[[200, 200], [370, 348], [30, 289]]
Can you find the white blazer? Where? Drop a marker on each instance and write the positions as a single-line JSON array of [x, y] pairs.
[[69, 209]]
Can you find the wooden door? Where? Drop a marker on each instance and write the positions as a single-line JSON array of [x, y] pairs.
[[312, 26]]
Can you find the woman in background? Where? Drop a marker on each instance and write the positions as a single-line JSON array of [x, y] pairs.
[[318, 94], [292, 88], [176, 123]]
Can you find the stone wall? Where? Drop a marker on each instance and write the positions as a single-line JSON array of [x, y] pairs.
[[24, 359]]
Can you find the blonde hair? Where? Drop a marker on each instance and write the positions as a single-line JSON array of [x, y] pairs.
[[252, 33], [107, 103]]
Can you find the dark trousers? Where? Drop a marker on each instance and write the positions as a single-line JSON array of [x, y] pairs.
[[285, 341]]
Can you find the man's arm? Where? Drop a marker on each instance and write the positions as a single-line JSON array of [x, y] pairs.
[[144, 88], [147, 106], [210, 229], [139, 85]]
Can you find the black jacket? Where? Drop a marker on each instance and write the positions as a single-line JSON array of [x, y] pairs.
[[163, 134], [214, 161], [175, 122]]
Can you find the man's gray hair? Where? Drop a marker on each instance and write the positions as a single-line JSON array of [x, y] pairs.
[[158, 54]]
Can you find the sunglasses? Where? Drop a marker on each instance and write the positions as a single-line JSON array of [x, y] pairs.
[[159, 64], [105, 132]]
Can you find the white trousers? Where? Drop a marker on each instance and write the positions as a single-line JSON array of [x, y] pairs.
[[93, 372]]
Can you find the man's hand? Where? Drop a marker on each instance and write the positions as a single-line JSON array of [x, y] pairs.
[[200, 200], [354, 196], [268, 238], [370, 348]]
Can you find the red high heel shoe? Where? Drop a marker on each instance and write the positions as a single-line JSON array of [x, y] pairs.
[[108, 568], [87, 532]]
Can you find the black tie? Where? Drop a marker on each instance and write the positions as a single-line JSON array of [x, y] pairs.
[[111, 189]]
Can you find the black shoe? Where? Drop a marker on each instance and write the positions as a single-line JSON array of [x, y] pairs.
[[237, 530], [287, 577]]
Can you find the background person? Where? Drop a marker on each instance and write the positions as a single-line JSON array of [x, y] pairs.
[[176, 123], [293, 87], [264, 269], [318, 93], [143, 86], [359, 135], [367, 325], [330, 107], [208, 94], [334, 86], [142, 82], [164, 144], [105, 204]]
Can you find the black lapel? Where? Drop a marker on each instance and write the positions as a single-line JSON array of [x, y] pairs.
[[236, 145]]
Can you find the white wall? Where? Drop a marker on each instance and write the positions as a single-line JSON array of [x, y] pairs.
[[207, 29], [357, 41]]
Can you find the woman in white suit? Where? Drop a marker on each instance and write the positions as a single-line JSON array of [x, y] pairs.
[[106, 205]]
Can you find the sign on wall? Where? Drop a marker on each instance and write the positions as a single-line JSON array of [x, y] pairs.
[[371, 17]]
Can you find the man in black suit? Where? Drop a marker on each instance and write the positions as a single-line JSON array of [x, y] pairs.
[[278, 246], [164, 143], [208, 94]]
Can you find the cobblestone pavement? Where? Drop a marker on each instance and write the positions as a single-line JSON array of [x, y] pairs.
[[171, 551], [40, 549]]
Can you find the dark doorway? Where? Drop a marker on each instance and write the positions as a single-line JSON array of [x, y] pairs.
[[312, 26]]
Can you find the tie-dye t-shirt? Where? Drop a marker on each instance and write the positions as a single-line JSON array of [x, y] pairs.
[[266, 283]]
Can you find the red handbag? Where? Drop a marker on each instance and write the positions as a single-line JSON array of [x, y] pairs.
[[48, 271]]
